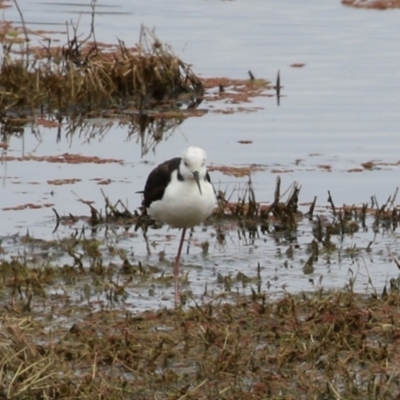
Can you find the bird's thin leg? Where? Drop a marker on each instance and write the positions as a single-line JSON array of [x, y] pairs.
[[189, 240], [146, 239], [176, 267]]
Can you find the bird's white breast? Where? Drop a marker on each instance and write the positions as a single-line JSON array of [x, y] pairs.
[[182, 205]]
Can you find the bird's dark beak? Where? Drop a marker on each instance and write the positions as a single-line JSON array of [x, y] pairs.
[[197, 179]]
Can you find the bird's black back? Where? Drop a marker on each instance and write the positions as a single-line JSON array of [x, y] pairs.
[[158, 180]]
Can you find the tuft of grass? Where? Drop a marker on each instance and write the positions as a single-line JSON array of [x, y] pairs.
[[85, 75]]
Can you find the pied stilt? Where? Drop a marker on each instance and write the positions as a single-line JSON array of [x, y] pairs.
[[179, 193]]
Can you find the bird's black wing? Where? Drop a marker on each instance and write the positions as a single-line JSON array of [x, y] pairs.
[[158, 180]]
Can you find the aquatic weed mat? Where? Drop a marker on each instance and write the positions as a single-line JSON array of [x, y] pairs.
[[321, 345], [282, 213]]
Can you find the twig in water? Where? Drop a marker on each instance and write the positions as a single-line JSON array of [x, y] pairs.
[[312, 207], [58, 219], [25, 32], [394, 197], [331, 202], [278, 87], [277, 190], [394, 258]]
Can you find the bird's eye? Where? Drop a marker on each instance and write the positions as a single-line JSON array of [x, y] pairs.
[[186, 164]]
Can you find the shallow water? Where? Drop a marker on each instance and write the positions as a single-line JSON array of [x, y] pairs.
[[340, 109]]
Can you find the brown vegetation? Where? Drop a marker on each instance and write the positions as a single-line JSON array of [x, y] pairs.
[[337, 345], [84, 75], [67, 331]]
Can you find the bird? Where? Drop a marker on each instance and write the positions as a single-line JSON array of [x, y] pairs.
[[179, 192]]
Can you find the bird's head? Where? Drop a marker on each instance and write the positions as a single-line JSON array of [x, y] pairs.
[[193, 165]]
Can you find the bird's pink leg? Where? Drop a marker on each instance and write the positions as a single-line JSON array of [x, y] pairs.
[[176, 267]]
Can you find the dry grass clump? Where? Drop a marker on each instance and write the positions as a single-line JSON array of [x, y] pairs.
[[325, 345], [85, 75]]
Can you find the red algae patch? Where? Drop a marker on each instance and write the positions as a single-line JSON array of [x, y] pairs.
[[63, 158], [355, 170], [373, 165], [237, 172], [234, 91], [104, 182], [374, 4], [59, 182], [46, 123], [325, 167], [280, 171], [30, 206], [4, 4]]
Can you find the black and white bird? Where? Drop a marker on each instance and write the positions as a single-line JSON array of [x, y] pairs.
[[179, 193]]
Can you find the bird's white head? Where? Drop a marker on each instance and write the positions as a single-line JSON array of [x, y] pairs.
[[193, 165]]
